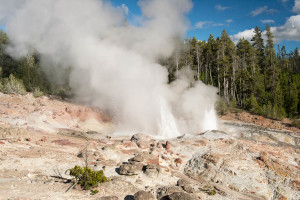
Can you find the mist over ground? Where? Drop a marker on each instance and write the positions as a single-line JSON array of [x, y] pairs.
[[114, 63]]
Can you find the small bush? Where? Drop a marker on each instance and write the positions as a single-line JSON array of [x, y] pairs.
[[221, 107], [93, 192], [88, 178], [209, 190], [37, 92], [12, 85]]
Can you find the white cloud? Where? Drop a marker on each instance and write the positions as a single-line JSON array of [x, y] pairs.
[[267, 21], [221, 8], [217, 24], [289, 31], [201, 24], [206, 24], [296, 7], [229, 20], [246, 34], [262, 10]]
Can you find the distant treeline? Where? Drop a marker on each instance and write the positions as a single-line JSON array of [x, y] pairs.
[[248, 75], [18, 76]]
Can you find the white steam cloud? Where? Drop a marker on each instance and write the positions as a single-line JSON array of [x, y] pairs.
[[113, 63]]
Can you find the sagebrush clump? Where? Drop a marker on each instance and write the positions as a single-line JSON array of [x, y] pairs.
[[87, 177], [12, 85], [37, 92]]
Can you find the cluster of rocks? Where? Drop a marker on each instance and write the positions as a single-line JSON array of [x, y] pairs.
[[247, 163], [137, 164]]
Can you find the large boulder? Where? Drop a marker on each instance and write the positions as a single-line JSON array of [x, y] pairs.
[[143, 195], [142, 140], [152, 170], [128, 169]]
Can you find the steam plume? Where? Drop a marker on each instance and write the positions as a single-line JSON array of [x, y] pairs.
[[114, 63]]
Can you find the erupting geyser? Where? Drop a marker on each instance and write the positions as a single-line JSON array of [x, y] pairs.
[[114, 63]]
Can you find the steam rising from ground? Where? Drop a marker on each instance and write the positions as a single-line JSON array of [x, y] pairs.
[[113, 63]]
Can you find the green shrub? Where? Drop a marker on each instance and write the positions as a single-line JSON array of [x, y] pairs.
[[253, 106], [93, 192], [221, 107], [12, 85], [88, 178], [37, 92], [209, 190]]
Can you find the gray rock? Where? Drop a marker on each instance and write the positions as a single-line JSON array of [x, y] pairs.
[[180, 196], [143, 195], [142, 140], [163, 192], [139, 137], [128, 169], [152, 170], [182, 182], [204, 166], [185, 185], [138, 158]]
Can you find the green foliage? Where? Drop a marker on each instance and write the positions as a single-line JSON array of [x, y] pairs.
[[253, 106], [12, 85], [37, 92], [93, 192], [221, 107], [88, 178], [209, 190]]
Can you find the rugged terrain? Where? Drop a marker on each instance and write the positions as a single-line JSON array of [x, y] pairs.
[[41, 138]]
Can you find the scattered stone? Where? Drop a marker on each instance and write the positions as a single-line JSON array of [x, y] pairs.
[[143, 195], [1, 142], [28, 139], [128, 169]]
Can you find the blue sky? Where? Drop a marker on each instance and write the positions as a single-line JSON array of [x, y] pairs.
[[237, 17]]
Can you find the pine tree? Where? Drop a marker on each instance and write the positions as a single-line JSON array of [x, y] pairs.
[[258, 45]]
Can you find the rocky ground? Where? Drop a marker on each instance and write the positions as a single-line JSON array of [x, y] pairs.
[[41, 138]]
